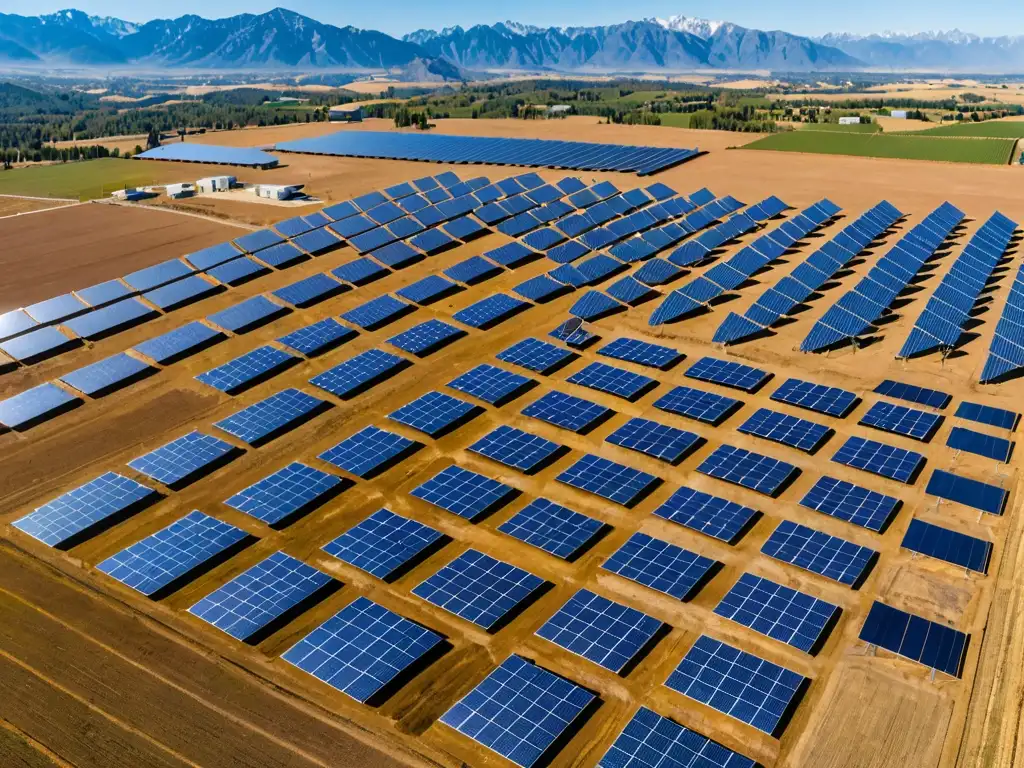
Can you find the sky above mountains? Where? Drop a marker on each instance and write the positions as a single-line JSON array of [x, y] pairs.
[[398, 17]]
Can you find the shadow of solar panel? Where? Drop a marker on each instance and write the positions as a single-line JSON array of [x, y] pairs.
[[317, 241], [100, 294], [479, 589], [464, 493], [520, 711], [553, 528], [287, 494], [996, 448], [15, 322], [310, 290], [697, 404], [268, 419], [602, 631], [926, 642], [258, 240], [56, 309], [110, 319], [831, 401], [370, 452], [516, 448], [247, 371], [491, 384], [378, 312], [426, 338], [707, 514], [788, 430], [359, 373], [944, 544], [491, 311], [38, 345], [541, 288], [182, 461], [920, 395], [970, 493], [385, 544], [364, 650], [180, 343], [909, 422], [779, 612], [817, 552], [738, 684], [641, 352], [728, 374], [36, 405], [614, 381], [860, 506], [569, 275], [568, 412], [748, 469], [657, 440], [473, 270], [360, 272], [177, 294], [661, 566], [103, 377], [81, 513], [262, 598], [435, 413], [428, 290], [318, 338], [985, 414], [161, 563], [159, 274], [238, 271], [880, 459], [247, 315], [650, 737], [608, 479]]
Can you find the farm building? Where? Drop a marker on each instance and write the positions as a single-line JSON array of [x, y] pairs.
[[899, 113], [216, 183], [277, 191], [849, 121], [346, 113], [178, 191]]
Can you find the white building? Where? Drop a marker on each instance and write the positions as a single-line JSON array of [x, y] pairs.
[[277, 191], [178, 191], [900, 113], [216, 183], [849, 121]]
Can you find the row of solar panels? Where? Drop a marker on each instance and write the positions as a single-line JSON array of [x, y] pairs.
[[537, 153], [1006, 352]]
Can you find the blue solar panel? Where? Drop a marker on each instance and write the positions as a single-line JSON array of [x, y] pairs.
[[35, 405], [540, 288], [516, 448], [378, 312], [63, 521], [568, 252], [727, 373], [944, 544], [248, 370], [788, 430], [573, 334], [985, 414], [473, 270], [567, 411], [96, 295], [778, 612], [817, 552], [351, 377], [247, 315], [713, 516], [178, 294], [593, 305], [490, 311], [860, 506], [511, 255], [257, 598], [37, 345], [490, 384], [926, 642], [658, 440], [292, 227], [434, 413], [697, 404], [268, 418], [310, 290], [738, 684], [650, 740], [159, 274], [160, 561], [428, 290], [901, 420], [426, 338], [433, 241], [285, 494], [659, 565], [281, 256], [519, 711], [384, 544], [568, 275], [362, 649], [397, 255], [748, 469], [970, 493], [110, 319], [552, 528], [319, 337], [881, 459], [535, 355], [657, 272], [238, 271], [929, 397], [608, 479], [996, 448], [179, 343], [360, 272], [831, 401], [56, 309], [179, 462], [107, 375], [15, 322], [464, 493], [615, 381]]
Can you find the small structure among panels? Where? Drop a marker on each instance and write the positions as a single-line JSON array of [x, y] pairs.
[[384, 544], [926, 642], [661, 566]]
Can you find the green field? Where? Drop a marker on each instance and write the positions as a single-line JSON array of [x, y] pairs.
[[859, 128], [991, 129], [675, 119], [954, 150], [89, 179]]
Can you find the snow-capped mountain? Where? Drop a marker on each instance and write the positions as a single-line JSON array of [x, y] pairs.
[[702, 28], [950, 51]]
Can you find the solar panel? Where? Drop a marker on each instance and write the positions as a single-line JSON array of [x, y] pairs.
[[95, 296], [567, 412], [849, 502], [573, 334], [464, 493], [319, 337], [174, 295], [738, 684], [67, 519], [179, 343], [920, 395], [593, 305], [658, 440], [996, 448], [568, 252], [659, 565], [697, 404], [553, 528], [433, 241], [511, 255], [247, 315], [37, 345], [105, 376], [713, 516], [258, 240], [161, 561], [491, 384], [970, 493], [817, 552], [281, 256], [426, 338], [652, 741], [641, 352], [900, 420], [237, 271], [396, 255], [56, 309], [748, 469], [369, 452], [384, 544], [536, 355], [362, 649], [286, 494], [359, 373], [360, 272], [181, 461], [614, 381], [378, 312], [540, 289], [473, 270], [479, 589], [608, 479], [926, 642], [985, 414], [831, 401], [728, 374], [943, 544], [434, 413], [428, 290], [248, 370], [159, 274], [600, 630], [310, 290], [260, 597], [519, 711], [516, 448], [110, 319], [881, 459], [35, 405], [788, 430], [269, 418], [488, 312]]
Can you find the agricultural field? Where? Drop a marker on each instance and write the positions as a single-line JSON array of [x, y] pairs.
[[86, 179], [991, 129], [858, 128], [908, 147]]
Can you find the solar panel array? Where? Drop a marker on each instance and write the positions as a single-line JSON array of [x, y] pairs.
[[926, 642]]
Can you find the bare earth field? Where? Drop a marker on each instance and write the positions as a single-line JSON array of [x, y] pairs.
[[96, 675], [12, 206]]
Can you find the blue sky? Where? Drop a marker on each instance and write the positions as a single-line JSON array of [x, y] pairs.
[[808, 17]]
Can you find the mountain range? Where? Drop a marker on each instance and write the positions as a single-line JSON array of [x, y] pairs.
[[282, 39]]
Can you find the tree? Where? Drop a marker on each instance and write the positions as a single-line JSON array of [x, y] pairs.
[[153, 140], [423, 124]]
